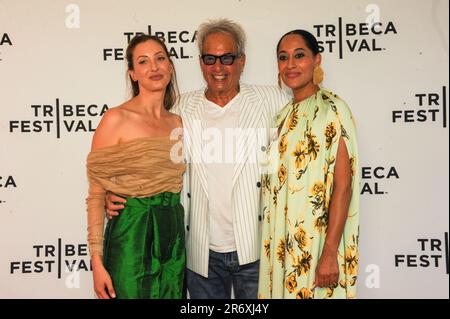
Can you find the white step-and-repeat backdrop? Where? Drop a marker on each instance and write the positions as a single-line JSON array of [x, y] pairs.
[[62, 65]]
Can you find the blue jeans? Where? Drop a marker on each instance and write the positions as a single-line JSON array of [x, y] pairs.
[[224, 272]]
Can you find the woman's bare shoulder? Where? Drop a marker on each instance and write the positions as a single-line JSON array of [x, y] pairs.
[[108, 130]]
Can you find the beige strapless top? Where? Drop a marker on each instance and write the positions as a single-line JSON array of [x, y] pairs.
[[141, 167]]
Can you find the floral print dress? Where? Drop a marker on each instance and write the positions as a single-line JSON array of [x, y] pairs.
[[296, 200]]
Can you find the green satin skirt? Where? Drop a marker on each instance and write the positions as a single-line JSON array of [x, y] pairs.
[[144, 248]]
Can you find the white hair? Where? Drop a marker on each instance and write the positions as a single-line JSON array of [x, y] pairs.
[[222, 26]]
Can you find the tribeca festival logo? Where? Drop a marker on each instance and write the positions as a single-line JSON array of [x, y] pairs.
[[57, 259], [179, 43], [6, 182], [5, 40], [59, 118], [433, 252], [373, 179], [354, 37], [429, 107]]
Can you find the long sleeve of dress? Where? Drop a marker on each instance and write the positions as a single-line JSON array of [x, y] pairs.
[[95, 203]]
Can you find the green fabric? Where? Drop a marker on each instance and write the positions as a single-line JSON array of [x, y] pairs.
[[296, 200], [144, 250]]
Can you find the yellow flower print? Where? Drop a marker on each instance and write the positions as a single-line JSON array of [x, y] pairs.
[[267, 249], [267, 217], [317, 195], [293, 119], [313, 145], [282, 146], [351, 260], [275, 195], [330, 133], [291, 283], [317, 189], [300, 154], [302, 265], [301, 237], [281, 251], [282, 174], [289, 244], [304, 293], [321, 223]]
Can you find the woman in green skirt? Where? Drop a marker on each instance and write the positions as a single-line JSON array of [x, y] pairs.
[[137, 153]]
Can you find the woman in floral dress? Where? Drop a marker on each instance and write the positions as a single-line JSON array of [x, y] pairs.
[[311, 194]]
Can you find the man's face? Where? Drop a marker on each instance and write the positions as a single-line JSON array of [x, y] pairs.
[[222, 79]]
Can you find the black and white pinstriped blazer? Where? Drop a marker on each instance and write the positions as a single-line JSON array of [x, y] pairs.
[[259, 105]]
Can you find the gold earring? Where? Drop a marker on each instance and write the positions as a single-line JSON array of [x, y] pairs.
[[317, 75]]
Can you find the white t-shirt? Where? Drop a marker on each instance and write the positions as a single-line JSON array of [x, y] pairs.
[[220, 153]]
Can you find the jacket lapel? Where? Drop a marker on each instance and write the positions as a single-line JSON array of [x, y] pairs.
[[247, 138], [194, 143]]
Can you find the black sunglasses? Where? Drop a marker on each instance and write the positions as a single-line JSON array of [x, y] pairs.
[[226, 59]]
